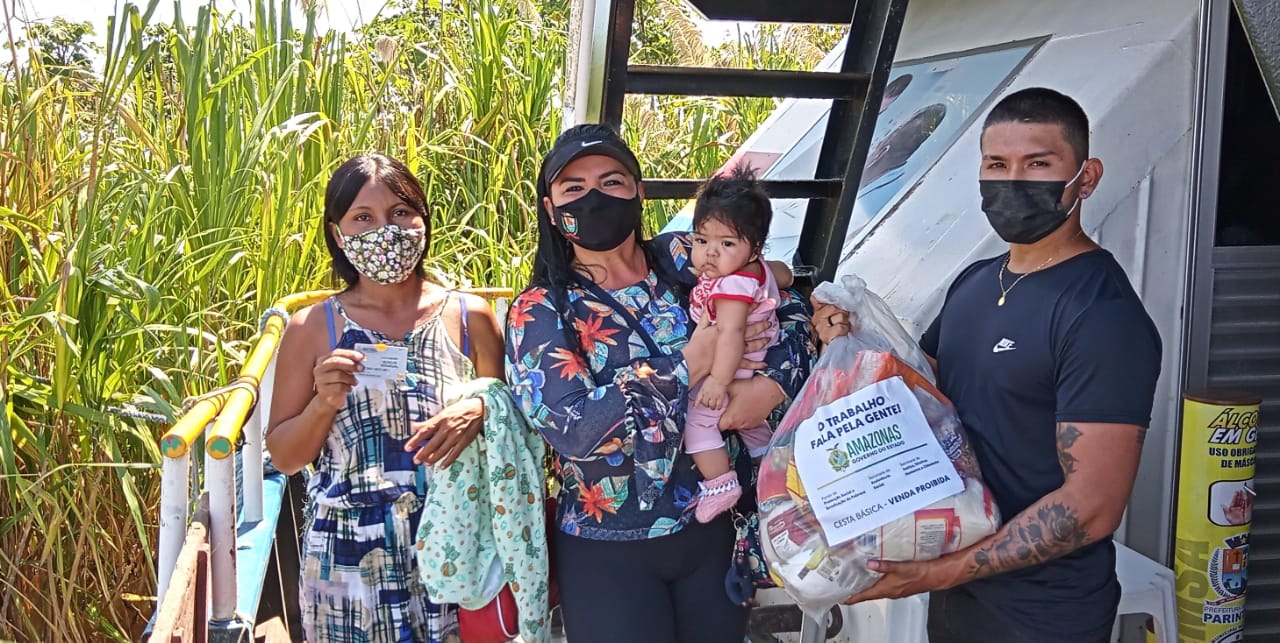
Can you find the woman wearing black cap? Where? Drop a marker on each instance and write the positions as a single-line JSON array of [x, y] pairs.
[[601, 354]]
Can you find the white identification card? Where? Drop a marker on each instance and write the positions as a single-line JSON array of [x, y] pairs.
[[384, 365], [870, 458]]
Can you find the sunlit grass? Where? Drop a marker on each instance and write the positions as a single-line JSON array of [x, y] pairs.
[[150, 211]]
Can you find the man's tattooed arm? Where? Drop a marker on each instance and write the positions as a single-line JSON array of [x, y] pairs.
[[1064, 520], [1067, 436], [1043, 532]]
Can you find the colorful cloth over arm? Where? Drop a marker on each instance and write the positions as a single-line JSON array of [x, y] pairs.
[[486, 509]]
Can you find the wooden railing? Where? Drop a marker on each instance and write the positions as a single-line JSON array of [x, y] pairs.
[[183, 615]]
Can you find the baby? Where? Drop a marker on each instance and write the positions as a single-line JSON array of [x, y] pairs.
[[735, 288]]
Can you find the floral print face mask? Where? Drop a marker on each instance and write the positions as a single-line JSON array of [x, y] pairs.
[[386, 255]]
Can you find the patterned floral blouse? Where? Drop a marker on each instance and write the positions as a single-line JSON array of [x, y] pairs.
[[613, 412]]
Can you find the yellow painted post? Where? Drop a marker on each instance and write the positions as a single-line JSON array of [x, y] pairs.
[[1214, 513], [226, 429], [239, 401], [176, 442]]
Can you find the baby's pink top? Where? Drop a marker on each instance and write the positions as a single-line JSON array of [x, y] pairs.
[[740, 286]]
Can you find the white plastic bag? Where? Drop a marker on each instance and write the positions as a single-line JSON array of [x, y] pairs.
[[875, 327], [801, 558]]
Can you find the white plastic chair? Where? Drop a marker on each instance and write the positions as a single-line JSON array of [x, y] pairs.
[[1146, 587], [881, 621], [902, 620]]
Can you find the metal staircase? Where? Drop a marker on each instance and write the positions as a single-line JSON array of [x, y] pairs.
[[855, 91], [874, 27]]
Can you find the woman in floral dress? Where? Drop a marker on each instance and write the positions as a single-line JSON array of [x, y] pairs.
[[600, 356], [374, 440]]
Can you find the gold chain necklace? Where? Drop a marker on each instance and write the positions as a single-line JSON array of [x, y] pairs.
[[1004, 292]]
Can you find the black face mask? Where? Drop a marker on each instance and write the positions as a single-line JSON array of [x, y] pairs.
[[1025, 211], [598, 221]]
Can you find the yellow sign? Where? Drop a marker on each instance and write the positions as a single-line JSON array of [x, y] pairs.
[[1215, 510]]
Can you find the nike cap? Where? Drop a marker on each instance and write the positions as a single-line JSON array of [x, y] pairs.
[[567, 149]]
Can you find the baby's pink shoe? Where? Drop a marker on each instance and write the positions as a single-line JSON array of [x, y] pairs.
[[717, 495]]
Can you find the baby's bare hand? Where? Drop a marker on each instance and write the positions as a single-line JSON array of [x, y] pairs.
[[713, 394]]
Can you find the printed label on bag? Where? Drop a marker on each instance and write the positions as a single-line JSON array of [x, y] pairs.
[[823, 565], [383, 365], [870, 458], [789, 531], [933, 532]]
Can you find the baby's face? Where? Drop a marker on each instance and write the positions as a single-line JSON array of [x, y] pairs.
[[718, 250]]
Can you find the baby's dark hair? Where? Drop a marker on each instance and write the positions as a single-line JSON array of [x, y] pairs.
[[738, 200]]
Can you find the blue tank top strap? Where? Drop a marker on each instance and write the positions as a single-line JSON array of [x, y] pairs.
[[466, 338], [328, 315]]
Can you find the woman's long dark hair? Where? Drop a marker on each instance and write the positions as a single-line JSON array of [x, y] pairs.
[[346, 183]]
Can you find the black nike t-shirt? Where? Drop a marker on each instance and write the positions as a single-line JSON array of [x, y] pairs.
[[1072, 343]]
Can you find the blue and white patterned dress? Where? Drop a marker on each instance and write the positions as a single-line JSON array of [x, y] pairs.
[[360, 577]]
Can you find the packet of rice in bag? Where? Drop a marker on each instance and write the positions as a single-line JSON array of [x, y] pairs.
[[870, 462]]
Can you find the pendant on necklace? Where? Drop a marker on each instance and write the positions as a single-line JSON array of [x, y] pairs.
[[1000, 301]]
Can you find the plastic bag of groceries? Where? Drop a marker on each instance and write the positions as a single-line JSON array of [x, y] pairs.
[[870, 462]]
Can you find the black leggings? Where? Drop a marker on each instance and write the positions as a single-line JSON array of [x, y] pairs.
[[649, 591]]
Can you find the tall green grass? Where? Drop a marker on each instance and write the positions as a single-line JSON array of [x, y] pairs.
[[149, 211]]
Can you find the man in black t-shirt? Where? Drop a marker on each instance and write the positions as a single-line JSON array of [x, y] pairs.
[[1051, 361]]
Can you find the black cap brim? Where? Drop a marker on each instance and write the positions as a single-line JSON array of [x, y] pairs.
[[568, 151]]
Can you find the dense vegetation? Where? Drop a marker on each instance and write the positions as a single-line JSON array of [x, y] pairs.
[[157, 194]]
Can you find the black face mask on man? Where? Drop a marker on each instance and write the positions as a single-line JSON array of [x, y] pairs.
[[1026, 211], [598, 221]]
